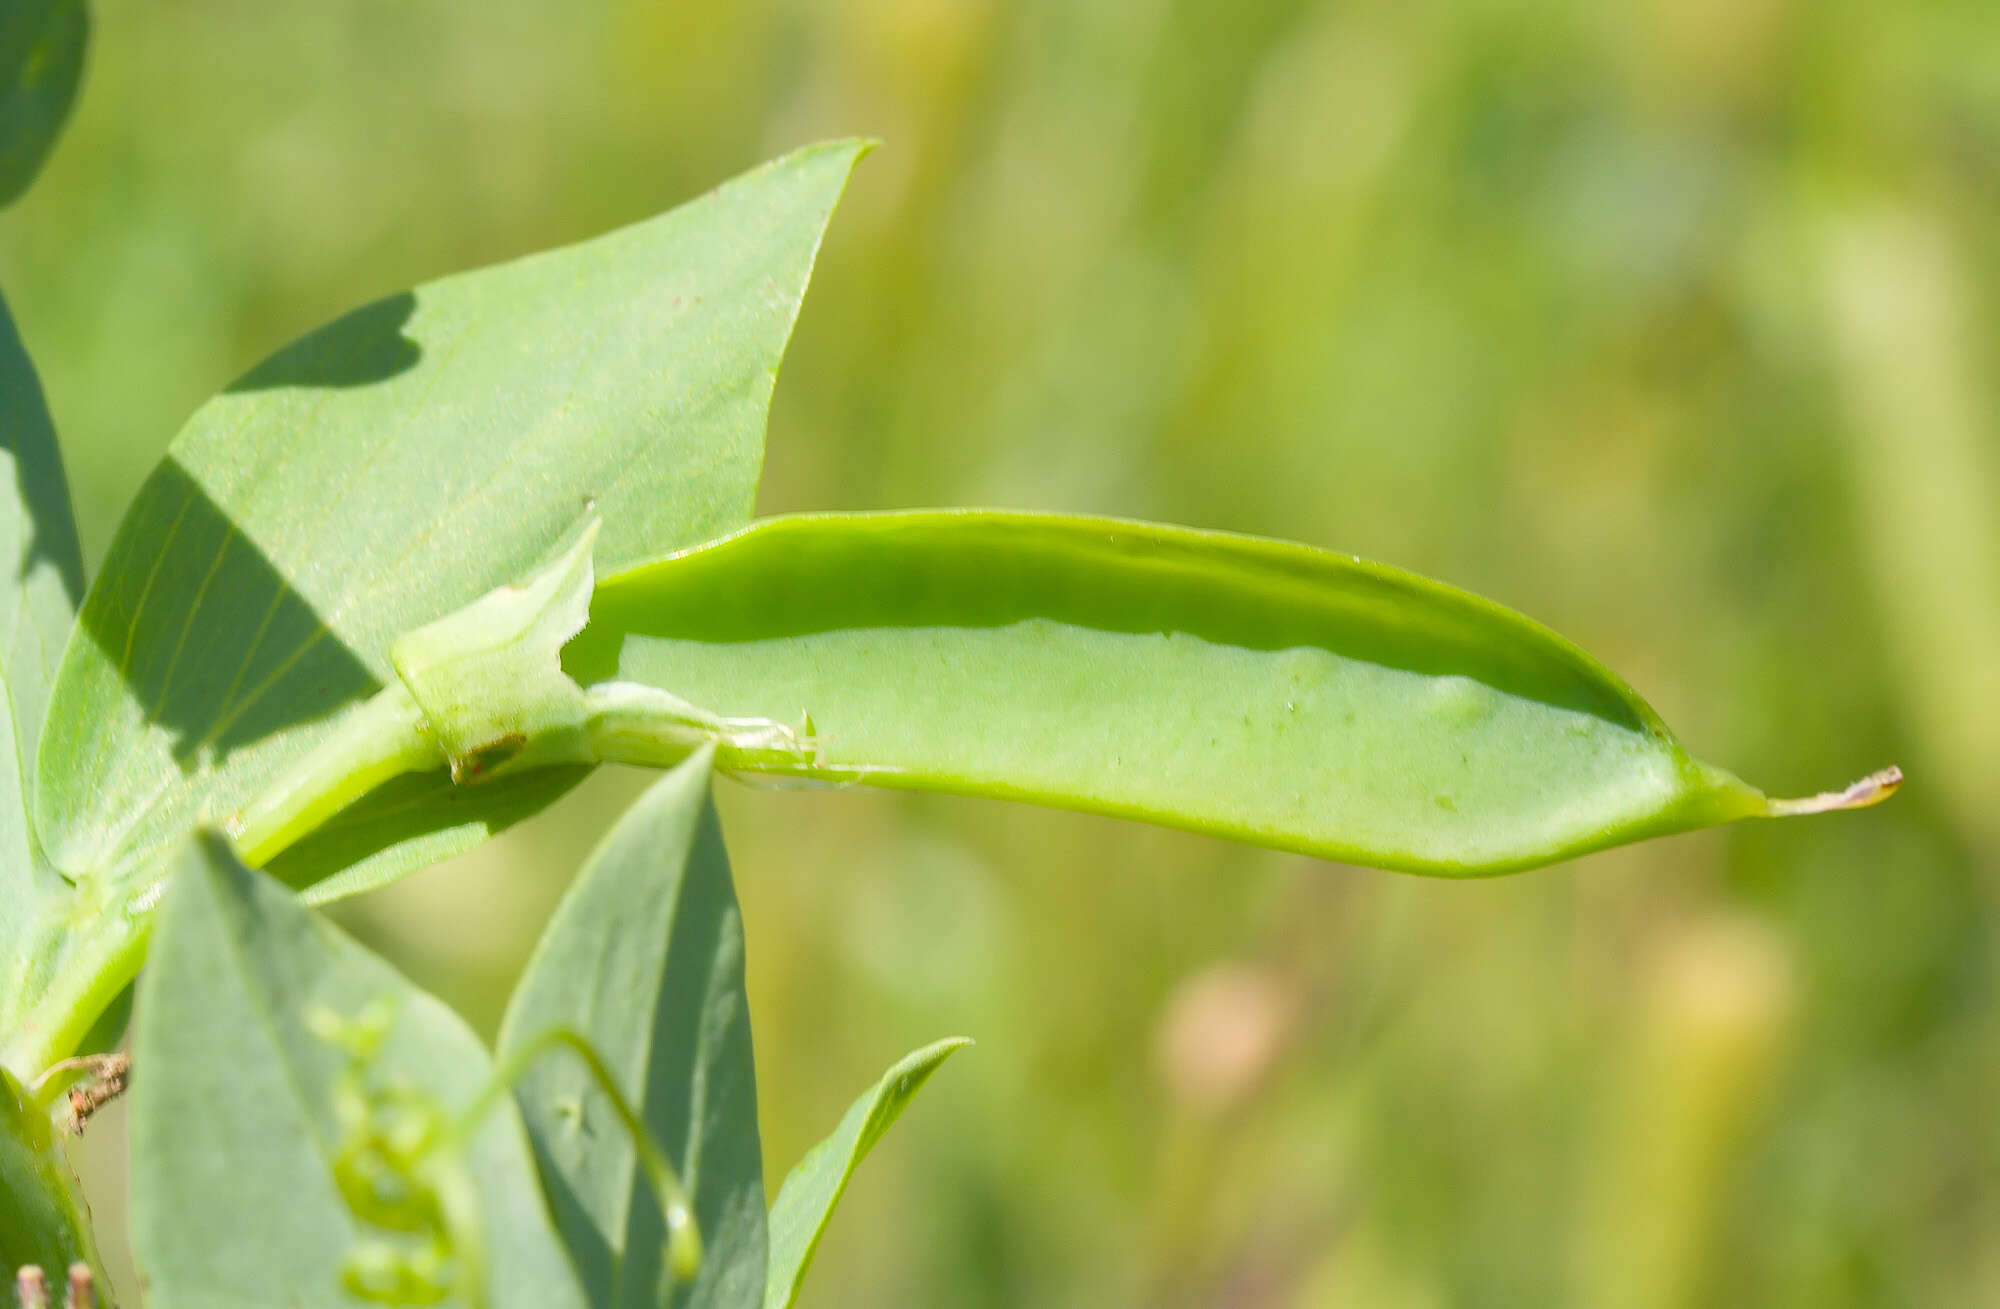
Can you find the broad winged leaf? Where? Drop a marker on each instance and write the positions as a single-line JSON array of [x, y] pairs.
[[384, 470]]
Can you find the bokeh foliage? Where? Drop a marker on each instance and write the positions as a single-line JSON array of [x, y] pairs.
[[1667, 323]]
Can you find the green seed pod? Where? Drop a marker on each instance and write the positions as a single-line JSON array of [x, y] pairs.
[[1254, 689]]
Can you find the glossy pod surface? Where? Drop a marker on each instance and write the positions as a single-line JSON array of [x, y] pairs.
[[1254, 689]]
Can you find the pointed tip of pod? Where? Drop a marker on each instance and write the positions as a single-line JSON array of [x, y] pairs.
[[1872, 789]]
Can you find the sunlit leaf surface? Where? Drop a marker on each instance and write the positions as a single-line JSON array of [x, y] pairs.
[[400, 462]]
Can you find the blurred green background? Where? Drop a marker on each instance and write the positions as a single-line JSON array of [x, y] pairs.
[[1673, 324]]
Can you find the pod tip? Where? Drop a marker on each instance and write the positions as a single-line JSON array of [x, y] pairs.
[[1872, 789]]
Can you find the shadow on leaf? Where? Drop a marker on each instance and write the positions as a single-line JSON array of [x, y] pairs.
[[411, 821], [212, 641], [28, 437], [360, 347]]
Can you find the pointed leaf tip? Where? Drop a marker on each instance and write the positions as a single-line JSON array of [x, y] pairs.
[[807, 1199], [656, 414], [1870, 790]]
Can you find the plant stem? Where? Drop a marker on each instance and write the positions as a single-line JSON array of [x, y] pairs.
[[80, 986], [385, 737]]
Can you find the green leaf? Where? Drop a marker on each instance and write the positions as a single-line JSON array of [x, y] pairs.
[[41, 564], [41, 578], [29, 890], [41, 61], [235, 1115], [386, 470], [43, 1219], [1257, 690], [644, 958], [398, 464], [811, 1190]]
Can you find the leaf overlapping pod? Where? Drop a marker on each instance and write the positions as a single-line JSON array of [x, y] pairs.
[[384, 470], [1258, 690], [399, 463]]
